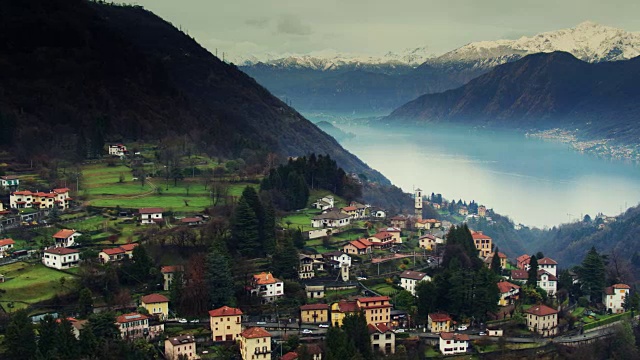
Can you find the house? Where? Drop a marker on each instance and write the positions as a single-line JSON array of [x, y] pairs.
[[156, 305], [613, 297], [192, 221], [112, 254], [168, 274], [382, 240], [267, 287], [383, 339], [291, 355], [117, 150], [352, 211], [331, 219], [503, 260], [341, 309], [314, 314], [395, 232], [409, 279], [6, 245], [40, 200], [452, 343], [225, 323], [376, 212], [482, 242], [314, 291], [305, 267], [360, 208], [76, 325], [255, 343], [522, 262], [128, 249], [547, 282], [357, 247], [519, 275], [399, 222], [61, 258], [549, 265], [150, 215], [323, 203], [508, 293], [182, 347], [376, 309], [336, 259], [439, 322], [427, 241], [65, 238], [133, 326], [494, 332], [427, 224], [463, 211], [543, 320], [9, 181], [482, 211]]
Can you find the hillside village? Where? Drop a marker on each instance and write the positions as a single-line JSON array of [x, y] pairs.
[[279, 269]]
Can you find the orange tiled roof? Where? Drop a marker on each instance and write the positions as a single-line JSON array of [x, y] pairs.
[[128, 247], [505, 286], [265, 278], [154, 298], [454, 336], [440, 317], [64, 233], [113, 251], [7, 241], [125, 318], [541, 310], [225, 311], [255, 332]]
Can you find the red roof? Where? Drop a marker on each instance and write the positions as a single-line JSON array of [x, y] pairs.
[[505, 286], [150, 210], [23, 192], [541, 310], [154, 298], [64, 233], [523, 258], [225, 311], [61, 251], [314, 307], [383, 235], [171, 269], [440, 317], [61, 190], [373, 298], [611, 289], [399, 218], [113, 251], [519, 274], [190, 220], [255, 332], [128, 247], [454, 336], [265, 278], [349, 208], [361, 244], [7, 241], [378, 328], [345, 306], [125, 318], [478, 235], [291, 355], [547, 261]]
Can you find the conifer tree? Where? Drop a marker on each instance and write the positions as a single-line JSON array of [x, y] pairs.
[[47, 342], [532, 279], [285, 261], [592, 274], [219, 279], [66, 341], [355, 325], [20, 339], [269, 227], [495, 262], [244, 230]]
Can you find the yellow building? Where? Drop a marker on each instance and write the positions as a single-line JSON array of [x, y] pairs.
[[225, 323], [156, 304], [439, 322], [543, 320], [255, 344], [341, 309], [314, 313], [503, 260], [376, 309], [482, 242]]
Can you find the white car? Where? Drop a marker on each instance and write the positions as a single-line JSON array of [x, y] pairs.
[[462, 328], [323, 325], [182, 321], [399, 330], [195, 321], [307, 331]]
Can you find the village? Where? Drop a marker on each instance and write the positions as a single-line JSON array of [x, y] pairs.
[[352, 261]]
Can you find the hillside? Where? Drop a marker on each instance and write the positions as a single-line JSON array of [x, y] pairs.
[[540, 91], [78, 74]]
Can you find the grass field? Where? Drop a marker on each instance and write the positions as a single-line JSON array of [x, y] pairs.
[[384, 289], [27, 284]]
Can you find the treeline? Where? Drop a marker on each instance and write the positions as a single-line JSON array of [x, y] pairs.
[[289, 184], [465, 287]]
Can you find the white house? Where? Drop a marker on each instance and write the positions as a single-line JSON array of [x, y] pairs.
[[542, 319], [547, 282], [549, 265], [376, 212], [40, 200], [117, 150], [331, 219], [323, 203], [150, 215], [65, 238], [267, 287], [427, 241], [182, 347], [451, 343], [337, 258], [133, 325], [409, 279], [613, 297], [383, 339], [60, 258], [6, 245], [9, 181]]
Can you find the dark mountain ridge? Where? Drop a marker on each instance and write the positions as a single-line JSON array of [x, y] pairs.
[[545, 90], [76, 74]]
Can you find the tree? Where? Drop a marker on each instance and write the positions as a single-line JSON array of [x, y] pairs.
[[426, 293], [495, 262], [532, 279], [176, 288], [20, 340], [337, 345], [219, 279], [66, 341], [356, 326], [244, 230], [269, 227], [285, 260], [54, 215], [592, 274], [403, 300], [47, 343], [586, 219], [85, 302]]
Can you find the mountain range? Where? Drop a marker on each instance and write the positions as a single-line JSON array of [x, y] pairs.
[[318, 83], [545, 90], [77, 74]]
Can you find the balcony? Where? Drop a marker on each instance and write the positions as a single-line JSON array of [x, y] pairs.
[[263, 350]]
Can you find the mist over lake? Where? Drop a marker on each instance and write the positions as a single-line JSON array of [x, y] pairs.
[[534, 182]]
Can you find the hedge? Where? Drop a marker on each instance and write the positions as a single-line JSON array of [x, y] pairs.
[[609, 320]]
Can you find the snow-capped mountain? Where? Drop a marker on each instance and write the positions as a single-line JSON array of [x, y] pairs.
[[588, 41], [332, 60]]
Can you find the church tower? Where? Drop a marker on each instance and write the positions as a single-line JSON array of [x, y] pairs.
[[418, 203], [344, 271]]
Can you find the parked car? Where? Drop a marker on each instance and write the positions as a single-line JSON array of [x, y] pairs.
[[307, 331], [482, 333], [399, 330], [182, 321], [195, 321], [261, 323], [323, 325], [462, 328]]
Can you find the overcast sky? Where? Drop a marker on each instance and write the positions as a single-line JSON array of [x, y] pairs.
[[240, 27]]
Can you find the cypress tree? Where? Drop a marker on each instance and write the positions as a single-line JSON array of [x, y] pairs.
[[532, 280], [495, 262], [244, 230], [219, 279], [67, 344], [355, 325], [285, 261], [251, 197], [592, 274]]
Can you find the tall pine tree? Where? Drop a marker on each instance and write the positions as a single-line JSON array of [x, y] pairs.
[[219, 279], [20, 339], [244, 230], [592, 274], [532, 279], [496, 267]]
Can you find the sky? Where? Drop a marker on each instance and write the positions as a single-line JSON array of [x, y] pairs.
[[373, 27]]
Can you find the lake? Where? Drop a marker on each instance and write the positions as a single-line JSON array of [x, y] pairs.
[[534, 182]]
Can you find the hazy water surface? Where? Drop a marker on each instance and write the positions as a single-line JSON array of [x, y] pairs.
[[535, 182]]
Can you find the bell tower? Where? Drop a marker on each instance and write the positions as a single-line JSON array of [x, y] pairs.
[[344, 271], [418, 203]]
